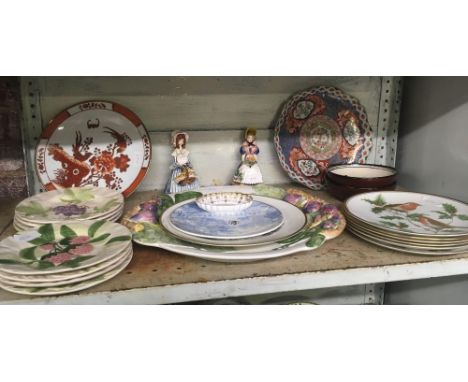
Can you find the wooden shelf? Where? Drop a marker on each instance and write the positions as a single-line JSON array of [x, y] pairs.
[[156, 276]]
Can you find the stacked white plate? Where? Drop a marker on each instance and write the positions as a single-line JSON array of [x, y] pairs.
[[62, 258], [409, 222], [71, 204]]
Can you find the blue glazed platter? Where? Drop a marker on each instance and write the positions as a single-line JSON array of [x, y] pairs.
[[259, 219]]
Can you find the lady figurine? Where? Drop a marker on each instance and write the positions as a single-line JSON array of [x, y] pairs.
[[248, 171], [183, 177]]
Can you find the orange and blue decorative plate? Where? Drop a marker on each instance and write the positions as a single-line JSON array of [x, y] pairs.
[[320, 127], [96, 143]]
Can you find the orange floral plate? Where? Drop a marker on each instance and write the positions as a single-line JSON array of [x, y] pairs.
[[97, 143]]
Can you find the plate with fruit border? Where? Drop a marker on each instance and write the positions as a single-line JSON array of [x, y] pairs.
[[323, 223]]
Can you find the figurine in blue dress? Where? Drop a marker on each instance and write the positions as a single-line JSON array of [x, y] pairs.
[[248, 171], [183, 177]]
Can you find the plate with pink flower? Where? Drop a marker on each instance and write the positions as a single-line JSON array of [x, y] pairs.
[[71, 287], [58, 248], [97, 143]]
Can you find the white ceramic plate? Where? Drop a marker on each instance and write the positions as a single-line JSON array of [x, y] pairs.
[[410, 213], [58, 290], [107, 267], [57, 248], [96, 142], [294, 220], [406, 249]]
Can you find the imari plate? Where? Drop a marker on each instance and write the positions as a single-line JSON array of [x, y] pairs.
[[96, 142], [411, 214], [56, 248], [324, 222], [77, 203], [320, 127]]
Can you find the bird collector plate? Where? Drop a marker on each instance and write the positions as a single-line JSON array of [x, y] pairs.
[[410, 213], [97, 143], [320, 127]]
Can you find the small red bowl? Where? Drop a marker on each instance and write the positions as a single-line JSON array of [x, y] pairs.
[[342, 192], [362, 175]]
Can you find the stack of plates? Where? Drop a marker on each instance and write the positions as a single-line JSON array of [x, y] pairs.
[[290, 222], [62, 258], [71, 204], [409, 222]]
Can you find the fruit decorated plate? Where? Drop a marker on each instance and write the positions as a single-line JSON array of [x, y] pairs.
[[320, 127], [97, 143], [324, 222]]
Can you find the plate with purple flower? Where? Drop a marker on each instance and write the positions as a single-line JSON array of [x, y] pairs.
[[71, 204]]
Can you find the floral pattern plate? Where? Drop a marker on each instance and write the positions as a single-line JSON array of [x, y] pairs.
[[324, 222], [410, 213], [64, 289], [56, 248], [96, 143], [320, 127], [87, 274], [67, 276], [80, 203]]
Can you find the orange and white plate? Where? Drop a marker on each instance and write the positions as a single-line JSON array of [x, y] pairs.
[[97, 143]]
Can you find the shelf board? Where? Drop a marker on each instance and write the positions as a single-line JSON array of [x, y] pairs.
[[157, 276]]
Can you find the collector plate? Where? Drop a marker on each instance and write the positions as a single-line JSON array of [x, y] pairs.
[[411, 214], [99, 143], [293, 217], [319, 127], [259, 219]]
